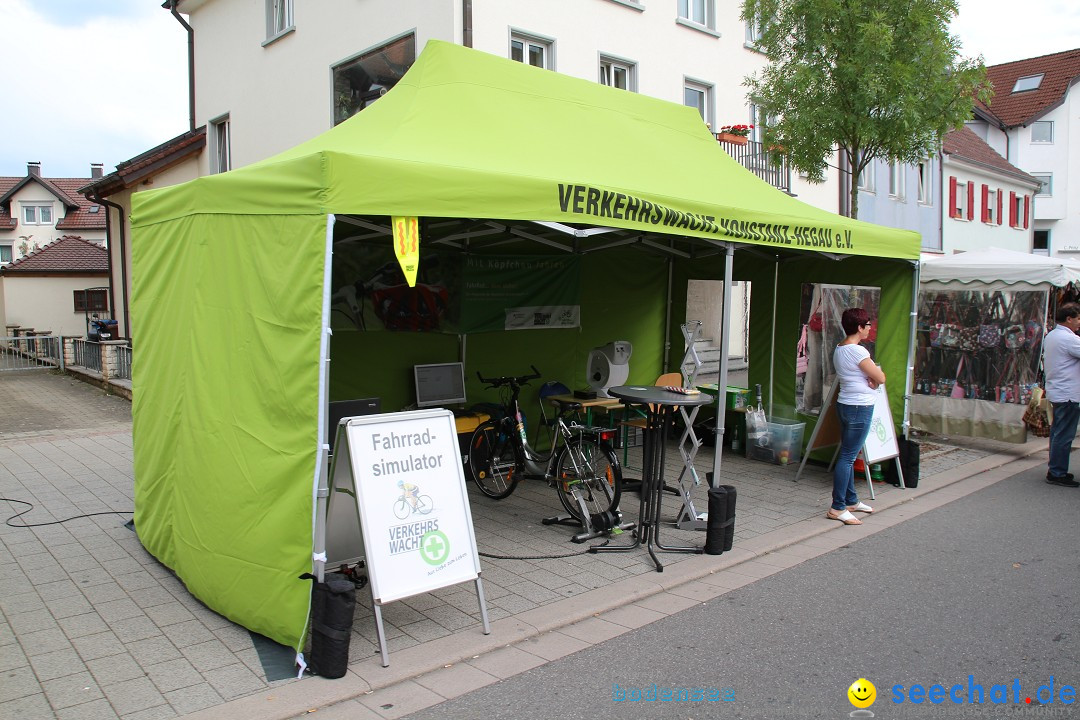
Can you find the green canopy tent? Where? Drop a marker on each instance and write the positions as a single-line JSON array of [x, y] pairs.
[[231, 291]]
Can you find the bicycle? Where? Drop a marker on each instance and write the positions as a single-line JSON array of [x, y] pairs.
[[581, 464], [403, 508]]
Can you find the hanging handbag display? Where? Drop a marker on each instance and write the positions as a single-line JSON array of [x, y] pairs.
[[802, 359], [990, 330]]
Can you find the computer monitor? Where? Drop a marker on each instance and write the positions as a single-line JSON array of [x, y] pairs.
[[347, 408], [440, 384]]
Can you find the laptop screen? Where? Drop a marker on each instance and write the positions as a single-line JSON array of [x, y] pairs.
[[440, 384]]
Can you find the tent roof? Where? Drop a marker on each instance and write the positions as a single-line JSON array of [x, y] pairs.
[[1000, 267], [465, 134]]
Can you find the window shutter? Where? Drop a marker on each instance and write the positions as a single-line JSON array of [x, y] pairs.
[[971, 200], [1001, 199], [952, 196], [1026, 206], [1012, 209], [985, 215]]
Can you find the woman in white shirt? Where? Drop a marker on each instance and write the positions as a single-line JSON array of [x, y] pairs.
[[859, 378]]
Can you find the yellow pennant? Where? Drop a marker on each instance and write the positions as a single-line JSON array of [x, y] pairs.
[[407, 246]]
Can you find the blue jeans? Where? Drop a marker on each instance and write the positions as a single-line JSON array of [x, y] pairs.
[[1062, 433], [854, 427]]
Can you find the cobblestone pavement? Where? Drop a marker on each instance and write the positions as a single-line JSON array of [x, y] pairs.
[[92, 626]]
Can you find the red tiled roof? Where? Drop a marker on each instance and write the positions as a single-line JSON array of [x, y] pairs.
[[1059, 70], [965, 144], [80, 214], [70, 254], [7, 222], [146, 164]]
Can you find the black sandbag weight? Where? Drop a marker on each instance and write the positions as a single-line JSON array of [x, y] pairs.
[[333, 604], [720, 530]]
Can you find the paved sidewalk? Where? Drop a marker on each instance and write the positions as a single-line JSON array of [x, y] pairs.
[[92, 626]]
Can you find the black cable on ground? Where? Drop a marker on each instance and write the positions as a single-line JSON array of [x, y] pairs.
[[30, 506], [540, 557]]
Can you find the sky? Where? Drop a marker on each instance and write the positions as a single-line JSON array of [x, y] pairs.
[[91, 81]]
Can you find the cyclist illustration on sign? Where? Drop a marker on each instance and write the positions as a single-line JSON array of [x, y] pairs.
[[411, 500]]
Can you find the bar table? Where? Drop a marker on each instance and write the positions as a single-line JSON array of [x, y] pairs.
[[660, 406]]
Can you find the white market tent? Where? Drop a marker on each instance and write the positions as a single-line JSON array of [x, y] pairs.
[[985, 271], [997, 269]]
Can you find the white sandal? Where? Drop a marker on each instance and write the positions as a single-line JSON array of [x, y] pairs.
[[845, 517], [861, 507]]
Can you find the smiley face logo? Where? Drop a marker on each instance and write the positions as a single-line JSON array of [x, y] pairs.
[[862, 693]]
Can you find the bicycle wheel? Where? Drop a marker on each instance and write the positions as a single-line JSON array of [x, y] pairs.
[[491, 460], [424, 504], [401, 508], [590, 471]]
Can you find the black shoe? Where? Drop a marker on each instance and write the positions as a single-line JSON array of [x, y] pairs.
[[1063, 481], [1068, 476]]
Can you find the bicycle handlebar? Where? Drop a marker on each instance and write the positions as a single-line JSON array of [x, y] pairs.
[[510, 380]]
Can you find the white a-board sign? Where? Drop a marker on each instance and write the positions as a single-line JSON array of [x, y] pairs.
[[881, 443], [410, 495]]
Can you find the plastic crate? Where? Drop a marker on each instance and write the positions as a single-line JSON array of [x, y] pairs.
[[737, 398], [782, 444]]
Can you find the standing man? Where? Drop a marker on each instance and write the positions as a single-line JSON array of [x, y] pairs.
[[1061, 352]]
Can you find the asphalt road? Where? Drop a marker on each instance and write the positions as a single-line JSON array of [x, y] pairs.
[[987, 586]]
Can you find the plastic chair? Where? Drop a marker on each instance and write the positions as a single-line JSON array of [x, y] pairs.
[[551, 387]]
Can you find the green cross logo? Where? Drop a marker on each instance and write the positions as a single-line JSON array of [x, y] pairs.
[[434, 547], [879, 430]]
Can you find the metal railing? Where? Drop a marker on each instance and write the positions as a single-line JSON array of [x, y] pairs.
[[121, 369], [30, 352], [772, 167], [87, 354]]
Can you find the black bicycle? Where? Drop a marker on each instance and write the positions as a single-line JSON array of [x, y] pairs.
[[581, 465]]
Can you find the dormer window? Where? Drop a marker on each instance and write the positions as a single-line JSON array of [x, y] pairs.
[[1028, 82]]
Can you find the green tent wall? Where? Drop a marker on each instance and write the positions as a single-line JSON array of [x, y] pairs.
[[230, 290]]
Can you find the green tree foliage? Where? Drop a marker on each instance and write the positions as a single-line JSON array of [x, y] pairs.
[[873, 78]]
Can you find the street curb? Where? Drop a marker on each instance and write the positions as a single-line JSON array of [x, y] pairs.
[[367, 676]]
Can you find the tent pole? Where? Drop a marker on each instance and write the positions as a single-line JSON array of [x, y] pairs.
[[772, 345], [909, 376], [722, 380], [322, 485], [667, 317]]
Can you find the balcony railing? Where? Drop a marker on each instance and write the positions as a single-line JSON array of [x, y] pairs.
[[772, 167]]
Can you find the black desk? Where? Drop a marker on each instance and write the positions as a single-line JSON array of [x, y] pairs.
[[660, 406]]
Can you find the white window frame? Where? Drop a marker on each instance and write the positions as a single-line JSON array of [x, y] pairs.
[[961, 200], [279, 18], [347, 100], [926, 182], [1033, 83], [753, 32], [698, 12], [221, 144], [867, 181], [706, 91], [610, 66], [1034, 240], [991, 206], [1019, 212], [1043, 125], [10, 253], [528, 41], [897, 178], [1047, 181], [36, 210]]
